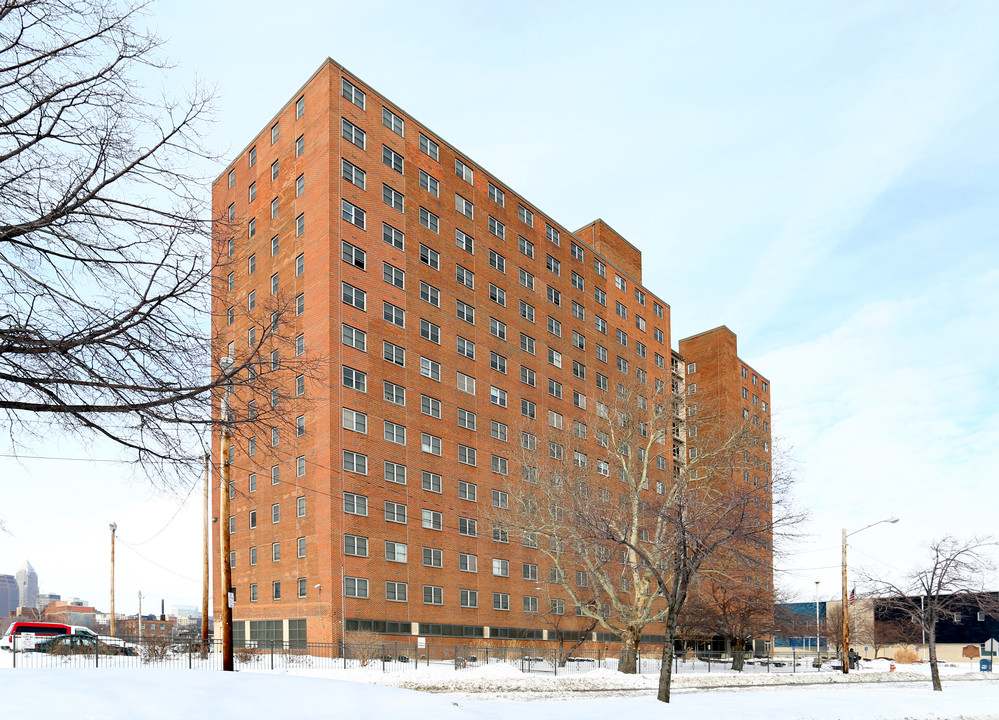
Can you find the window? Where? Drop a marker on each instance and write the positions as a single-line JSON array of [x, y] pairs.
[[354, 420], [466, 419], [497, 396], [350, 212], [395, 591], [525, 215], [501, 499], [467, 491], [351, 133], [528, 409], [467, 526], [622, 337], [353, 296], [433, 557], [600, 324], [554, 326], [497, 261], [395, 433], [554, 388], [497, 430], [355, 462], [553, 265], [497, 228], [355, 545], [430, 406], [393, 314], [465, 277], [552, 234], [495, 194], [430, 257], [392, 236], [395, 473], [528, 376], [497, 295], [431, 482], [300, 503], [527, 343], [526, 279], [392, 121], [354, 379], [463, 171], [276, 589], [432, 594], [530, 571], [394, 393], [253, 519], [352, 174], [355, 95], [430, 368], [433, 520], [393, 275], [428, 146], [392, 197], [253, 156], [468, 563], [465, 312], [355, 587], [501, 568], [392, 159], [497, 328], [468, 598], [554, 357], [395, 512], [501, 601], [395, 551], [527, 311], [466, 455], [300, 146], [429, 183], [497, 362], [429, 331], [354, 338], [466, 348], [578, 311], [464, 206]]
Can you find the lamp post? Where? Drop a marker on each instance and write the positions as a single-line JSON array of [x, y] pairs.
[[845, 609], [114, 528], [817, 633], [224, 540]]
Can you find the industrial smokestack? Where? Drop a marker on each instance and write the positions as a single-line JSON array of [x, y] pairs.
[[162, 609]]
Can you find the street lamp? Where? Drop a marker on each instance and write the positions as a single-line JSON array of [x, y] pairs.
[[114, 528], [845, 609]]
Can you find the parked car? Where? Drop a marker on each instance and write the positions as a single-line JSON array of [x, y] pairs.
[[38, 629], [80, 645]]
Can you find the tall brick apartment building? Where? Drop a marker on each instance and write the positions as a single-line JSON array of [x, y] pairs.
[[448, 310]]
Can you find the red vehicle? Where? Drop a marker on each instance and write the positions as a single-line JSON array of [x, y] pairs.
[[39, 629]]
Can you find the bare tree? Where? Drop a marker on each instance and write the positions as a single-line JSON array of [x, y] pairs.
[[106, 239], [951, 581], [739, 615], [639, 530]]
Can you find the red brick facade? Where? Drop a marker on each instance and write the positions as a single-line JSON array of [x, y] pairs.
[[465, 261]]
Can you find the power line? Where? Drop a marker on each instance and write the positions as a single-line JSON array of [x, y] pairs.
[[172, 572]]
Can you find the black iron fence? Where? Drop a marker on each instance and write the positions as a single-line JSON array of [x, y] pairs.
[[263, 655]]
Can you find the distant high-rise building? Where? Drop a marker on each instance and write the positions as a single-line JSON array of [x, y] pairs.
[[27, 586], [9, 595], [43, 599]]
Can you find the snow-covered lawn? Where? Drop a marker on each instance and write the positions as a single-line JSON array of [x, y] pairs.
[[488, 693]]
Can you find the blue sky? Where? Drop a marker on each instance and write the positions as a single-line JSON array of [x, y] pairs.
[[820, 177]]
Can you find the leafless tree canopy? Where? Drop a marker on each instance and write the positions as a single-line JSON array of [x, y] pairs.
[[105, 235], [954, 576]]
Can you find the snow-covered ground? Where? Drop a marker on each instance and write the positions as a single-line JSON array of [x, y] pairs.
[[489, 693]]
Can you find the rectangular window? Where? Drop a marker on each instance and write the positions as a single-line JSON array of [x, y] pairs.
[[393, 198], [300, 146], [354, 338], [463, 171], [497, 362], [433, 595], [355, 504], [501, 601], [395, 512], [355, 462], [497, 261], [468, 598], [466, 348], [501, 568], [393, 314], [353, 296], [433, 557], [552, 234], [527, 311], [465, 277], [355, 95], [430, 257], [466, 419], [394, 433], [465, 312], [392, 121], [526, 279], [355, 587], [467, 491], [497, 396], [498, 430], [497, 228], [351, 213], [393, 275], [430, 444], [354, 420], [525, 215], [395, 551], [430, 406], [351, 133], [353, 174], [429, 183], [429, 147], [392, 159], [429, 331], [392, 236], [495, 194], [464, 206], [394, 393], [497, 328], [355, 379], [525, 246], [467, 526], [466, 455], [355, 545], [497, 295], [468, 563], [430, 368], [396, 591], [395, 473], [432, 520], [431, 482]]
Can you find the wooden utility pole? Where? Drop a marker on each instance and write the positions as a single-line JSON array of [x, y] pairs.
[[224, 539], [114, 527], [206, 525], [846, 616], [140, 617]]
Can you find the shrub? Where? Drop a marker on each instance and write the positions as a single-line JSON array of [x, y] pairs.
[[906, 656]]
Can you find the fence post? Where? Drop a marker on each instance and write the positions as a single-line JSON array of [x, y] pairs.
[[13, 649], [97, 651], [522, 659], [556, 660], [455, 657], [794, 660], [272, 654]]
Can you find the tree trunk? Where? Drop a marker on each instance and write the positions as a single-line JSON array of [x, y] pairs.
[[666, 670], [629, 650], [934, 668], [738, 656]]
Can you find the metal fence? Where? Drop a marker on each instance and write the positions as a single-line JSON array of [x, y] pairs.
[[387, 657]]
